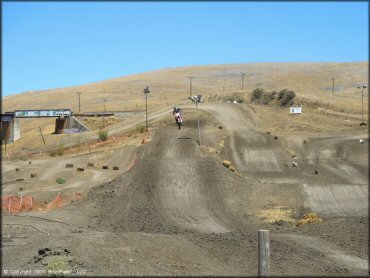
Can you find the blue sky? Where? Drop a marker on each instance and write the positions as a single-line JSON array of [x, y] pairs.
[[60, 44]]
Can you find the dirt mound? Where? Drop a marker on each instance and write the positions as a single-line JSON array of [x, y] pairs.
[[163, 193], [179, 211]]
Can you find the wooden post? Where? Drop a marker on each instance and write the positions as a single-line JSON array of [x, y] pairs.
[[42, 136], [198, 132], [263, 253], [59, 200], [20, 203]]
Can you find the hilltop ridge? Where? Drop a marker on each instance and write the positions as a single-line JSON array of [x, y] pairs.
[[170, 85]]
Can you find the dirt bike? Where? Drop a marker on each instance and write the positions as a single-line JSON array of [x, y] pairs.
[[179, 122]]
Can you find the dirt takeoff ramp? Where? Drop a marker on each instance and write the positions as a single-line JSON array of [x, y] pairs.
[[172, 189]]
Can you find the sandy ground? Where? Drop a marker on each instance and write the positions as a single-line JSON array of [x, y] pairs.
[[179, 211]]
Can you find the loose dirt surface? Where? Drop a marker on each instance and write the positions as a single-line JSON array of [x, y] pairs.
[[179, 211]]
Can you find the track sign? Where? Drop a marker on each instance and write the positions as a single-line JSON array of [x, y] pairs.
[[42, 113], [295, 110]]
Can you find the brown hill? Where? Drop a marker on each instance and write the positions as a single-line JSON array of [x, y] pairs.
[[312, 83], [308, 80]]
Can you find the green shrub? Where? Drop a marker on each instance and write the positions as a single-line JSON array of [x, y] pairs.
[[60, 150], [257, 94], [286, 97], [141, 128], [274, 94], [283, 98], [103, 135], [60, 180], [266, 98], [238, 97]]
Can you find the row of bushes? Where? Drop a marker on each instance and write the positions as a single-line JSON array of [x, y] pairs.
[[234, 97], [282, 98]]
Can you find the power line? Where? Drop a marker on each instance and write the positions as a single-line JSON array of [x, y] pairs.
[[362, 104], [332, 88], [243, 73], [146, 92], [79, 102], [104, 113]]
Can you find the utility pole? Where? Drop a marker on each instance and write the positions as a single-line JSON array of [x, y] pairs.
[[146, 92], [197, 99], [332, 87], [104, 114], [79, 102], [362, 103], [243, 73], [190, 78], [41, 136]]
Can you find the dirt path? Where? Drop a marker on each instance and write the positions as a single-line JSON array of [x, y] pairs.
[[330, 250], [179, 211], [183, 194], [176, 189], [340, 189]]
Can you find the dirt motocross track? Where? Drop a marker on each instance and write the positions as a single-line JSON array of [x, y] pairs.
[[179, 211]]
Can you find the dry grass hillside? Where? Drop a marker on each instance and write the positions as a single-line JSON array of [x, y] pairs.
[[308, 80], [312, 83]]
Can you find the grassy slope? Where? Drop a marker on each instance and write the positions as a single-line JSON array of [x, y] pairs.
[[311, 82], [306, 79]]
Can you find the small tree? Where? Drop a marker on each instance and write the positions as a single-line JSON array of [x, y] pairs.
[[266, 98], [257, 94], [237, 97], [286, 97], [140, 128]]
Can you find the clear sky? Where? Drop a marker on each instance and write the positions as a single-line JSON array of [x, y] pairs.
[[60, 44]]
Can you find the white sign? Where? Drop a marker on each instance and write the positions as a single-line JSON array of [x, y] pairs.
[[295, 110], [42, 113]]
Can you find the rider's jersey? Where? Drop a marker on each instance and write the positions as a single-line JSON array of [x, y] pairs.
[[178, 118]]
